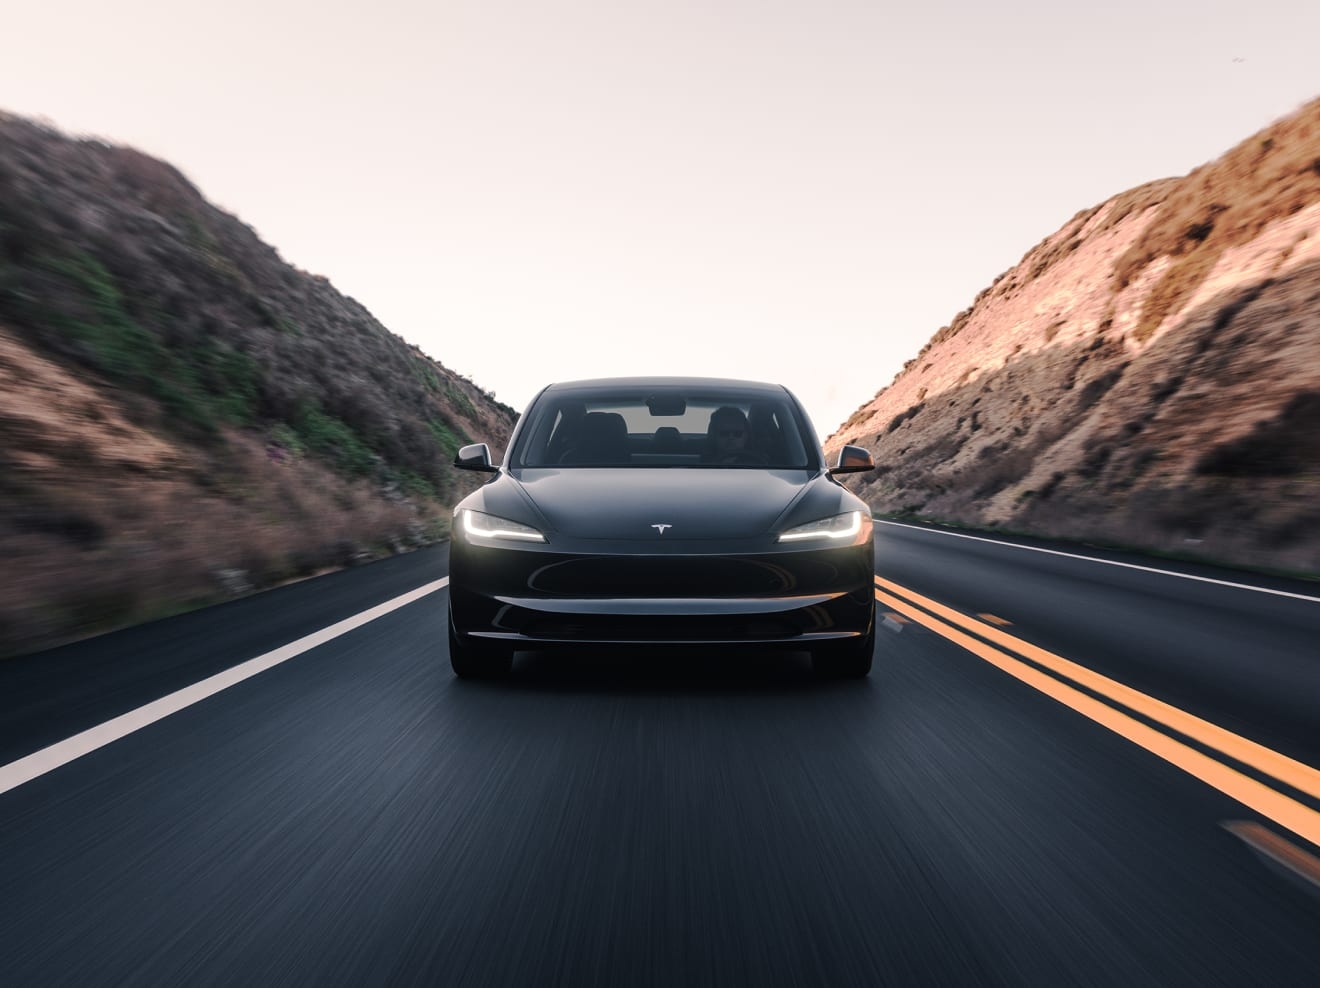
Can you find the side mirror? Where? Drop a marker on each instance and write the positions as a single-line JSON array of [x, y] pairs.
[[853, 459], [475, 457]]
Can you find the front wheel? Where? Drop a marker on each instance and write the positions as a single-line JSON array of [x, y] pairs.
[[476, 659], [846, 659]]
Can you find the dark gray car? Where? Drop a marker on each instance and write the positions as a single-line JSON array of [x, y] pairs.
[[683, 511]]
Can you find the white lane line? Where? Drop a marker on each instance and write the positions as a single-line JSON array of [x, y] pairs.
[[1107, 562], [62, 752]]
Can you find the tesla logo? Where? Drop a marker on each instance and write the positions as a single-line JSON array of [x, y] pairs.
[[661, 528]]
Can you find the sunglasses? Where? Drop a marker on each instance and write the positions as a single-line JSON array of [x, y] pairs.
[[731, 433]]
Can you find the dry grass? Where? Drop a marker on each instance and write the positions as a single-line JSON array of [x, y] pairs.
[[94, 552]]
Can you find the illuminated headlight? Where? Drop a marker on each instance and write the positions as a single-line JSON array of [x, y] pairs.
[[477, 524], [850, 528]]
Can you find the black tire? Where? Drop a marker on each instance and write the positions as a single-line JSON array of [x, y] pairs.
[[846, 659], [476, 659]]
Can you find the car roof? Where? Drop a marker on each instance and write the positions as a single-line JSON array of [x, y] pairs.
[[664, 381]]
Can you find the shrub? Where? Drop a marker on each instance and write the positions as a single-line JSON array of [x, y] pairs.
[[458, 399], [332, 440], [1284, 445], [448, 439], [904, 416], [415, 486], [1098, 387], [96, 317], [285, 436]]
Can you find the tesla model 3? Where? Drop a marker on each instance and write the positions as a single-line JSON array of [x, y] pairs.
[[662, 511]]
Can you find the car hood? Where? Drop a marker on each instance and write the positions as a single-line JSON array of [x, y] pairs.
[[698, 503]]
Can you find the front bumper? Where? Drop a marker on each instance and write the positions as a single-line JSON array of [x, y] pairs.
[[531, 599]]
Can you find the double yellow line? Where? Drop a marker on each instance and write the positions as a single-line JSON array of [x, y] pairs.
[[995, 645]]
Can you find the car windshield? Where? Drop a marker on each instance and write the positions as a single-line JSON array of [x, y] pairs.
[[666, 428]]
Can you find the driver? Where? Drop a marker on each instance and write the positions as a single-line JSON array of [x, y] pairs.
[[728, 437]]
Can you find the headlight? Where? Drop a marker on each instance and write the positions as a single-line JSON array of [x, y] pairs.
[[477, 524], [850, 528]]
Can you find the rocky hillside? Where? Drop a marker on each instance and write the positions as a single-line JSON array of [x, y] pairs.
[[1149, 375], [184, 416]]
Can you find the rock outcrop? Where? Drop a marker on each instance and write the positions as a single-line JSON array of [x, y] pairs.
[[1148, 376]]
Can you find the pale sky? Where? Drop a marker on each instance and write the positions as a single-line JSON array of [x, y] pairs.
[[801, 192]]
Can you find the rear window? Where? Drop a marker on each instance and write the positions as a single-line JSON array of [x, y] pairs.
[[665, 428]]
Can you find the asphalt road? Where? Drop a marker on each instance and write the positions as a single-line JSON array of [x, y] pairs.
[[357, 816]]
